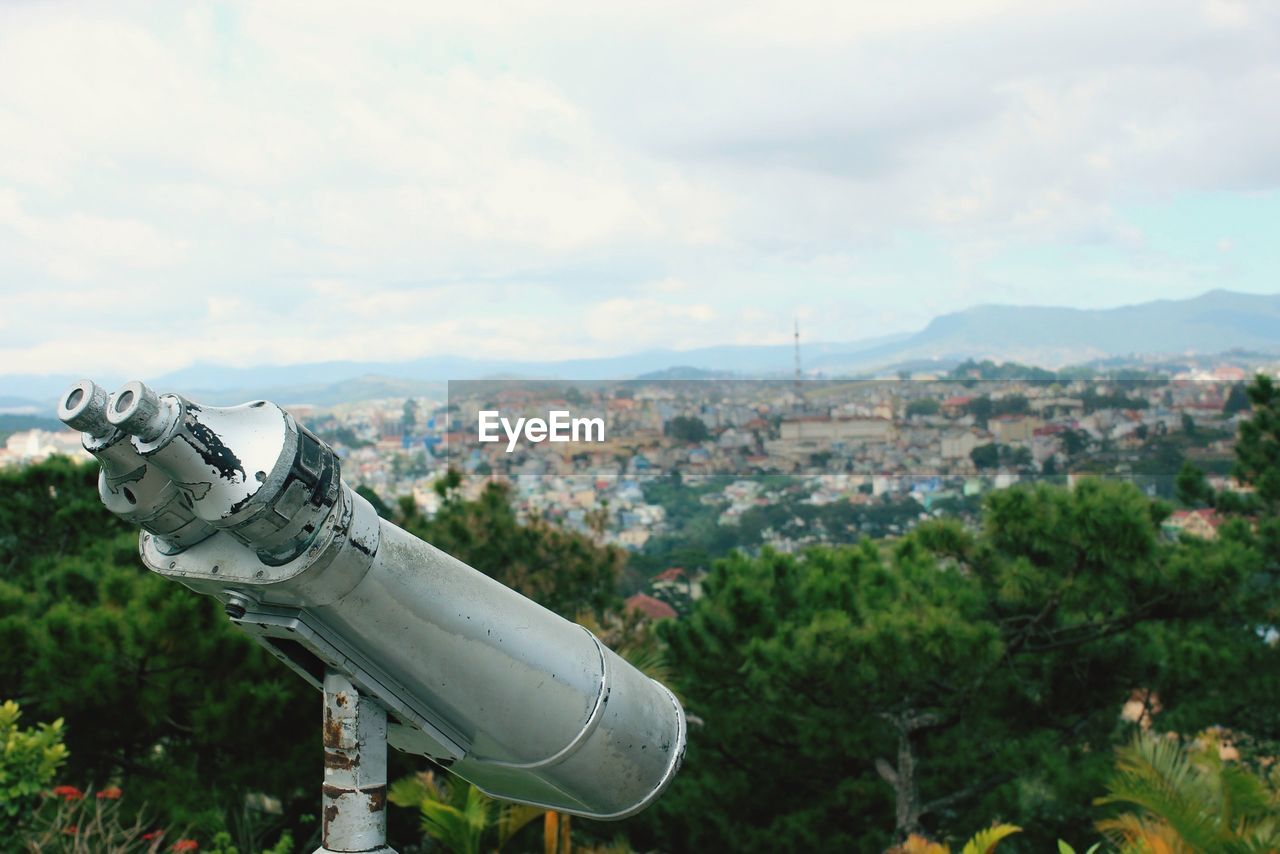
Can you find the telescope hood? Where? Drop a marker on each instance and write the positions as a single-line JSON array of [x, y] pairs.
[[250, 470]]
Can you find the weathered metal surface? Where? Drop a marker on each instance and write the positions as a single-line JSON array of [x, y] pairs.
[[249, 470], [354, 794], [548, 715], [309, 649], [137, 492], [527, 705]]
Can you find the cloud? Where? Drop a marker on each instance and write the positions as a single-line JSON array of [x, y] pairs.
[[507, 180], [71, 246]]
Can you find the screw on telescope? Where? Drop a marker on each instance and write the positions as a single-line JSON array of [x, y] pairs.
[[236, 606]]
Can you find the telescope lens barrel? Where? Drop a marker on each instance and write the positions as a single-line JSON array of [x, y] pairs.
[[511, 696], [83, 407], [137, 410]]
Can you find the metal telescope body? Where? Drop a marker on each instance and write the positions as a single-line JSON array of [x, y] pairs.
[[246, 505]]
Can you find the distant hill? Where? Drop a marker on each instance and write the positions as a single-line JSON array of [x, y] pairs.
[[10, 424], [1214, 322], [685, 372], [324, 383], [1053, 337], [10, 405], [367, 387]]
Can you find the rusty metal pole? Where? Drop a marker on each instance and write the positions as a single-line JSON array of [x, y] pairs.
[[355, 770]]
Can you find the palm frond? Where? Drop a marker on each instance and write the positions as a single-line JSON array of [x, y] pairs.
[[478, 808], [513, 817], [985, 841], [450, 826], [1244, 797], [1158, 775], [412, 790], [455, 814], [1134, 834], [917, 844]]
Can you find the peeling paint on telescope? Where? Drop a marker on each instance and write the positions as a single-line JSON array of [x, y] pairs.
[[525, 704]]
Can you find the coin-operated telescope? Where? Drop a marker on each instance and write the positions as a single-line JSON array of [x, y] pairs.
[[409, 646]]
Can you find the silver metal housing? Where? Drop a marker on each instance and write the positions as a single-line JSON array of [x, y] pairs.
[[137, 492], [249, 470], [523, 703]]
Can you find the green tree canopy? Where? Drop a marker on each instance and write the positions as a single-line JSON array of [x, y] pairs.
[[1237, 400], [855, 693], [986, 456], [923, 406], [152, 681], [1258, 449], [562, 570], [1193, 487], [687, 428]]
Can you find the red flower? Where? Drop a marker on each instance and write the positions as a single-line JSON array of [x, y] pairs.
[[111, 793], [185, 845], [68, 793], [155, 834]]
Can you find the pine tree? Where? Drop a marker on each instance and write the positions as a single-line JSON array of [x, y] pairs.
[[852, 696]]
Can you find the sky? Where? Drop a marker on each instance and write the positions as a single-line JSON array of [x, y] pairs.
[[287, 182]]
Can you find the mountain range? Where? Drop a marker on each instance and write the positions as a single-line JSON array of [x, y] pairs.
[[1214, 322]]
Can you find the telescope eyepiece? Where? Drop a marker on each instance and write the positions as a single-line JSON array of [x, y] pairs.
[[136, 409], [139, 493], [83, 407]]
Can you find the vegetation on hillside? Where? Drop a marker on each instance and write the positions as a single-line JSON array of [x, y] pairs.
[[893, 692]]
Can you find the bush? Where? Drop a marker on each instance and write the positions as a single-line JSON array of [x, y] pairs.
[[74, 822], [29, 759]]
